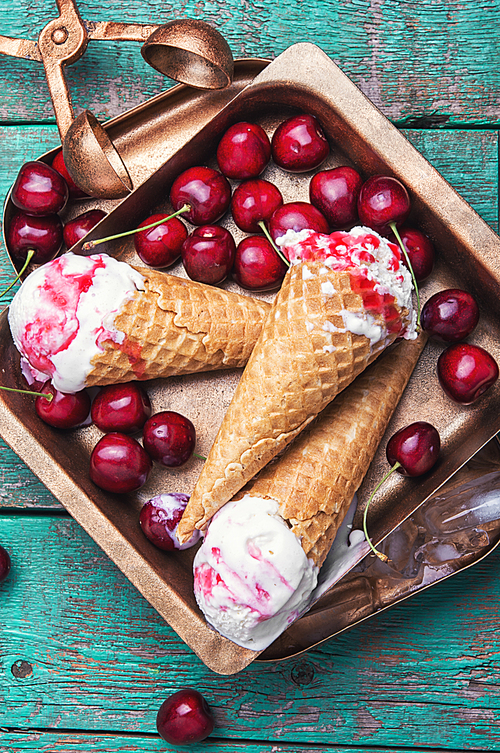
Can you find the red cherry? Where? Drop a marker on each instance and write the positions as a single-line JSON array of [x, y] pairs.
[[381, 201], [335, 193], [254, 201], [64, 411], [416, 447], [121, 407], [5, 564], [169, 438], [243, 151], [184, 718], [466, 371], [43, 235], [39, 189], [297, 216], [160, 246], [159, 519], [450, 315], [299, 144], [208, 254], [119, 464], [207, 192], [420, 251], [257, 266], [78, 227], [59, 165]]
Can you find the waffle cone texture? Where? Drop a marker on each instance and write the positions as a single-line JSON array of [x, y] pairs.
[[304, 357], [177, 326], [315, 480]]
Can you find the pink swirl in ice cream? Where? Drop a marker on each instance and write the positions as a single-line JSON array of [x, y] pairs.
[[64, 310], [375, 267], [251, 576]]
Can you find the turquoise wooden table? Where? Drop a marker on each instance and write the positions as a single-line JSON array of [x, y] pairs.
[[85, 662]]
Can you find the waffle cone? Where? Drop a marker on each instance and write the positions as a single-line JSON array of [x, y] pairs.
[[314, 482], [177, 326], [304, 357]]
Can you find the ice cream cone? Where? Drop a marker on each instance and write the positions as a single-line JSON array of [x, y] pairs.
[[322, 331], [177, 326]]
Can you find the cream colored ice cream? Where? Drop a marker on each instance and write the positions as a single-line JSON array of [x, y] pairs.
[[251, 576]]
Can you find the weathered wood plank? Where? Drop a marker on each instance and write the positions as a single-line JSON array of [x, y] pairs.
[[81, 650], [437, 62]]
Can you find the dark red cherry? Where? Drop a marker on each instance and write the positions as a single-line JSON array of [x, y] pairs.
[[208, 254], [39, 189], [254, 201], [297, 216], [119, 464], [207, 192], [299, 144], [64, 411], [243, 151], [416, 447], [59, 165], [159, 518], [169, 438], [257, 266], [78, 227], [450, 315], [466, 372], [5, 563], [160, 246], [381, 201], [420, 250], [121, 407], [43, 235], [335, 193], [184, 718]]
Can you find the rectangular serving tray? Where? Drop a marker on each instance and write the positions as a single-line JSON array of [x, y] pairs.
[[304, 79]]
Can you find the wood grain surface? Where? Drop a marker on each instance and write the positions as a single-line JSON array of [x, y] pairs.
[[85, 662]]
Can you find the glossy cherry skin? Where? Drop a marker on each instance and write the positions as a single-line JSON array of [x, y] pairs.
[[39, 189], [78, 227], [59, 165], [257, 266], [159, 518], [382, 200], [299, 144], [184, 718], [416, 447], [243, 151], [121, 407], [254, 201], [5, 563], [160, 246], [335, 193], [64, 411], [450, 315], [43, 235], [208, 254], [119, 464], [297, 215], [207, 192], [466, 372], [420, 250], [169, 438]]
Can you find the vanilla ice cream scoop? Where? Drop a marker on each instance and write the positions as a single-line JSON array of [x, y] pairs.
[[251, 576]]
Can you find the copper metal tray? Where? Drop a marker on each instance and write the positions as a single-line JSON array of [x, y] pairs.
[[302, 78]]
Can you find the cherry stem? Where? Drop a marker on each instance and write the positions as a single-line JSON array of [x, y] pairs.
[[29, 257], [91, 244], [28, 392], [280, 253], [394, 229], [200, 457], [380, 555]]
